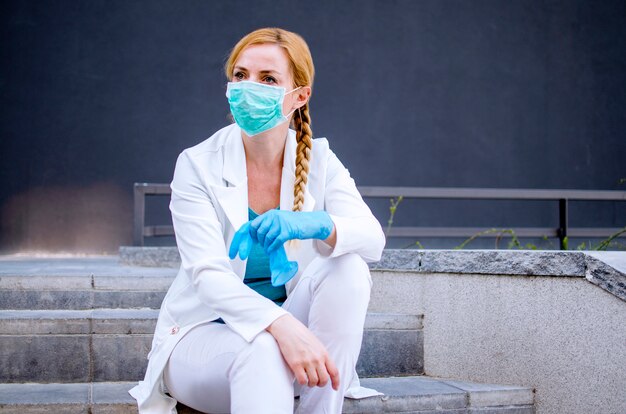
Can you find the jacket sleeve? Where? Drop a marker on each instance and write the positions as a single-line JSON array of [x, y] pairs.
[[358, 231], [205, 260]]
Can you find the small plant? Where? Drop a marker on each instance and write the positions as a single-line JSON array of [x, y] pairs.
[[548, 240], [514, 243], [604, 244], [392, 211], [413, 244]]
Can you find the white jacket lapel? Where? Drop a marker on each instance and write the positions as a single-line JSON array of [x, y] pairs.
[[234, 198]]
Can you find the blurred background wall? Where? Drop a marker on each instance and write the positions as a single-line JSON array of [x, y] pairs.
[[97, 95]]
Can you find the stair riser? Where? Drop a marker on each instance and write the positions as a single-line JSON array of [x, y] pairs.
[[122, 357], [73, 358], [389, 353]]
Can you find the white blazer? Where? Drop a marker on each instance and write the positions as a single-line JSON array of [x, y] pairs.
[[209, 204]]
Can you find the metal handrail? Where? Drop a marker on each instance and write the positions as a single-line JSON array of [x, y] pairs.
[[141, 190]]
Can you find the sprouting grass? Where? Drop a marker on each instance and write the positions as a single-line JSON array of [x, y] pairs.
[[514, 243], [392, 212], [606, 243]]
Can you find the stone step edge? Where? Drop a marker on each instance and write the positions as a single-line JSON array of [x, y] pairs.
[[401, 394], [139, 321]]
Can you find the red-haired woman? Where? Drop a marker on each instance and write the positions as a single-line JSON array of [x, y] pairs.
[[272, 292]]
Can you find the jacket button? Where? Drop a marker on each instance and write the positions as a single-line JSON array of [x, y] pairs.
[[174, 330]]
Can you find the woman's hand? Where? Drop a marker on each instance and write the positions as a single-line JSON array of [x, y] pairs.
[[274, 227], [304, 353], [282, 270]]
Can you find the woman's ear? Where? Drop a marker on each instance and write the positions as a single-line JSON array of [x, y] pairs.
[[302, 96]]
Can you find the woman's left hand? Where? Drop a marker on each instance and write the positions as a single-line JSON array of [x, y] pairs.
[[274, 227], [282, 270]]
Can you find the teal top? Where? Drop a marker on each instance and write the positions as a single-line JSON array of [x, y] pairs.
[[258, 272]]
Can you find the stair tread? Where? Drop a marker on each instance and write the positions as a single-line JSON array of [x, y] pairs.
[[80, 273], [401, 393]]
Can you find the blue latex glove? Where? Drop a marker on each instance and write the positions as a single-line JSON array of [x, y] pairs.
[[282, 270], [274, 227]]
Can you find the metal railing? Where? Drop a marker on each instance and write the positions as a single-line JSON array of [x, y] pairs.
[[141, 190]]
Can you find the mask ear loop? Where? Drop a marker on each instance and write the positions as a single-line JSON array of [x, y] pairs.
[[299, 113]]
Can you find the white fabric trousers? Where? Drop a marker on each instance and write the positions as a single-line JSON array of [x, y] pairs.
[[214, 370]]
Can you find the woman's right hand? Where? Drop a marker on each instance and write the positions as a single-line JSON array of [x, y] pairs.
[[304, 353]]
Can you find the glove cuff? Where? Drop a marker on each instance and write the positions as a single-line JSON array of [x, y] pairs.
[[326, 224]]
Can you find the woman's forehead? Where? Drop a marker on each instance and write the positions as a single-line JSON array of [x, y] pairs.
[[264, 58]]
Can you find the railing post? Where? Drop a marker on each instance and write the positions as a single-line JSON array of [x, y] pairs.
[[562, 232], [139, 216]]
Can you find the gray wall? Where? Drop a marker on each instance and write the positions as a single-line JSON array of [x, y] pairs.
[[96, 95], [556, 334]]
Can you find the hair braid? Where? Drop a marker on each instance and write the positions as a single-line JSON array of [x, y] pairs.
[[304, 137]]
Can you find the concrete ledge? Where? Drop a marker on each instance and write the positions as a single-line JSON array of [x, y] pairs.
[[604, 269], [402, 394], [153, 268], [493, 395], [600, 272], [150, 256], [490, 262]]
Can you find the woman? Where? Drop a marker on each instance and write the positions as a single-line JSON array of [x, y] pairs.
[[254, 191]]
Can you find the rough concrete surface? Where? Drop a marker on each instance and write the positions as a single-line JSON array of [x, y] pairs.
[[605, 269], [562, 335]]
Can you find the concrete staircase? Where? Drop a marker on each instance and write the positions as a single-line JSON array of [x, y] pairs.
[[75, 332]]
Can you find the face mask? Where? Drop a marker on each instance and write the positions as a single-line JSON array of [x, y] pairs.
[[256, 107]]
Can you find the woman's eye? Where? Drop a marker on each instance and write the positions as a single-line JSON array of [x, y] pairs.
[[238, 75], [269, 79]]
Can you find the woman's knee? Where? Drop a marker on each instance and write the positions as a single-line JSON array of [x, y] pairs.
[[265, 344], [349, 272], [263, 350]]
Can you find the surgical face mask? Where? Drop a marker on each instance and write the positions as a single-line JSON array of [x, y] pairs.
[[256, 107]]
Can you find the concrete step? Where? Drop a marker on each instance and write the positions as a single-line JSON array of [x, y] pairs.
[[100, 345], [415, 394], [80, 283]]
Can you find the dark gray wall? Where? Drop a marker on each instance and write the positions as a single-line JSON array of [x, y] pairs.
[[96, 95]]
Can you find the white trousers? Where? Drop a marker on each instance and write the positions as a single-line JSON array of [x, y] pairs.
[[214, 370]]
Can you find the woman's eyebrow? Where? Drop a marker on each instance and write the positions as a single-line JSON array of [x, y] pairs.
[[270, 71], [261, 71]]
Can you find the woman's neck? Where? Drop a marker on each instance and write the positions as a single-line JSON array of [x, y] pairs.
[[266, 150]]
